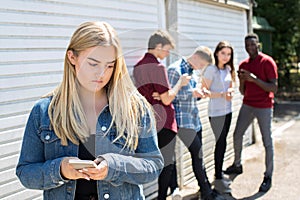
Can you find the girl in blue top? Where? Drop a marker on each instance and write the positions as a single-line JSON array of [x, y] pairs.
[[96, 113]]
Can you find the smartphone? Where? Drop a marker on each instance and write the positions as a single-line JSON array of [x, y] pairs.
[[79, 164]]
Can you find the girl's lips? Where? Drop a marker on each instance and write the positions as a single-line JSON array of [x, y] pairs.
[[97, 81]]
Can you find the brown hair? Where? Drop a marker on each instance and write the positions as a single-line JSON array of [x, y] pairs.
[[219, 47], [160, 37]]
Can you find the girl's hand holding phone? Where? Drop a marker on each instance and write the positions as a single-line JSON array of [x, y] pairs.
[[98, 173], [74, 168], [68, 171]]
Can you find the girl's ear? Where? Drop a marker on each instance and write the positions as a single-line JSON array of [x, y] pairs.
[[71, 57]]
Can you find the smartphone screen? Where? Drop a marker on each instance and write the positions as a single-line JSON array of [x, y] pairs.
[[79, 164]]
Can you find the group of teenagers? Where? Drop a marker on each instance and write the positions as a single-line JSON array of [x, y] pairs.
[[128, 125]]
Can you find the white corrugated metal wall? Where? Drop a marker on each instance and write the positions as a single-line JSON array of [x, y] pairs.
[[203, 23], [33, 38]]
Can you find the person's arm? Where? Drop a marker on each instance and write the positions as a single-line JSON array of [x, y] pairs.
[[242, 86], [33, 169], [174, 77], [206, 83], [269, 86], [207, 80], [230, 92], [141, 166], [168, 96]]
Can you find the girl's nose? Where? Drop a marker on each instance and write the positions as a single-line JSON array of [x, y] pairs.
[[102, 70]]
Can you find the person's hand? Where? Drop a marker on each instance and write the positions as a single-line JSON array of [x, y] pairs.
[[68, 171], [156, 96], [98, 173], [229, 94], [201, 93], [246, 75], [184, 79]]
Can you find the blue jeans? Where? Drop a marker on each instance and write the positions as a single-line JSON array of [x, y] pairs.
[[264, 118]]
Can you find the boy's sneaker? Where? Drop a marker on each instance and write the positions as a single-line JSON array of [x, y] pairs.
[[176, 195], [234, 169], [266, 184]]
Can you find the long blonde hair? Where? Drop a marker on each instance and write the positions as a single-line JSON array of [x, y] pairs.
[[125, 103]]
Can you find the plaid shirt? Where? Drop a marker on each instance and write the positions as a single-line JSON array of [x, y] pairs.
[[187, 113]]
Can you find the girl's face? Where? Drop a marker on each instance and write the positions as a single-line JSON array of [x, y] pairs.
[[224, 56], [94, 67]]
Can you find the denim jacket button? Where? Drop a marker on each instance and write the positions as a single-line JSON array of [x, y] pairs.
[[106, 196], [103, 128], [47, 137]]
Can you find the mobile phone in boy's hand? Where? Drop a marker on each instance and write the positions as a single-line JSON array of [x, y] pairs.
[[79, 164]]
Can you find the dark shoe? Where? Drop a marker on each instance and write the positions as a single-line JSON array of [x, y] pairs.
[[222, 186], [233, 169], [213, 196], [266, 184]]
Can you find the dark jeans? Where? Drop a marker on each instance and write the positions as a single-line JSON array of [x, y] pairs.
[[166, 143], [193, 141], [220, 126], [173, 184]]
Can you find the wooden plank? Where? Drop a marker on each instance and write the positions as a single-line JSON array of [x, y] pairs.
[[32, 43], [10, 188], [13, 122], [33, 67], [79, 7], [12, 109], [7, 175], [11, 135], [24, 194], [11, 82], [19, 56], [28, 93], [9, 161], [10, 148]]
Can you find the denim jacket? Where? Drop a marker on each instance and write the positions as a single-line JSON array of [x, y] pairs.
[[42, 153]]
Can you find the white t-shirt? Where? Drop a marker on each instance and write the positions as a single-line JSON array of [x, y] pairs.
[[221, 79]]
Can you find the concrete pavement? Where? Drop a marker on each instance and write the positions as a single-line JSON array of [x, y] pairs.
[[286, 177]]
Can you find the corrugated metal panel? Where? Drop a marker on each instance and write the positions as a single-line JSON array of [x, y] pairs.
[[206, 24], [33, 38]]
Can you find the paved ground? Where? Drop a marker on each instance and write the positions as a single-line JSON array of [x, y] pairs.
[[286, 178]]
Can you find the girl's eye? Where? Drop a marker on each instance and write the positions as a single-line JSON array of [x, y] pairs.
[[110, 66], [93, 64]]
